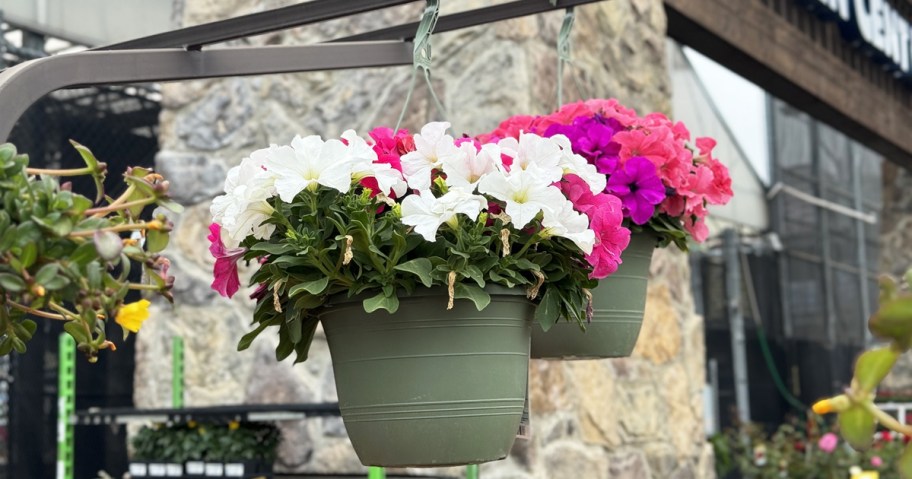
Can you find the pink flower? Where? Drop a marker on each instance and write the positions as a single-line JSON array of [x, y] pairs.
[[828, 442], [389, 148], [564, 116], [605, 212], [225, 270], [611, 108], [876, 461], [510, 128]]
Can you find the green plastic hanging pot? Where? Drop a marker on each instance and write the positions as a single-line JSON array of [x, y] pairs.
[[428, 386], [617, 302]]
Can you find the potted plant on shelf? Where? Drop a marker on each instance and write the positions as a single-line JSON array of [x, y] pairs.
[[460, 242], [656, 180], [63, 258]]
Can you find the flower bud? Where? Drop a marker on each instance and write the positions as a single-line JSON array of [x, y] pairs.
[[835, 404]]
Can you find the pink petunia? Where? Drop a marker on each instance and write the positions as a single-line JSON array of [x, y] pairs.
[[876, 461], [510, 128], [225, 271], [564, 116], [605, 212]]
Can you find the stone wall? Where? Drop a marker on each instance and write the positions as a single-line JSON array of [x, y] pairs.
[[631, 418]]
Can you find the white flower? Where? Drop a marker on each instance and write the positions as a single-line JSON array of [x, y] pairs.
[[532, 149], [426, 213], [309, 161], [466, 169], [431, 146], [570, 162], [568, 223], [251, 171], [526, 192], [363, 164], [241, 213]]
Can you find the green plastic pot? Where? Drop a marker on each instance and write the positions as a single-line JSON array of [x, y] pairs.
[[427, 386], [617, 303]]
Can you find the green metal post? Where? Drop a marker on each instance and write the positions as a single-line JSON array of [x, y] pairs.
[[376, 473], [472, 471], [66, 406], [177, 372]]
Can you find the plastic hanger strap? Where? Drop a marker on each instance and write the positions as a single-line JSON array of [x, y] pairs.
[[422, 54]]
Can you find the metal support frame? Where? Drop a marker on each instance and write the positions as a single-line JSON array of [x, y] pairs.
[[736, 320], [24, 84], [177, 372], [66, 406]]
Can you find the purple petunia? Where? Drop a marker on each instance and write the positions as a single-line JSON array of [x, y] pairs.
[[591, 138], [639, 188]]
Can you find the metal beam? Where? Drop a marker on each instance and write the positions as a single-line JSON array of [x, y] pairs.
[[24, 84], [467, 19], [297, 15]]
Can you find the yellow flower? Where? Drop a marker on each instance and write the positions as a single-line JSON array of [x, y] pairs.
[[233, 425], [132, 315], [191, 424]]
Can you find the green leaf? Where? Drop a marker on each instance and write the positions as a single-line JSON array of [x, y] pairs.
[[172, 206], [273, 248], [469, 291], [92, 162], [55, 283], [294, 324], [420, 267], [77, 331], [874, 365], [285, 346], [12, 283], [314, 287], [6, 345], [29, 326], [19, 345], [857, 426], [894, 321], [156, 240], [47, 273], [548, 311], [248, 338], [381, 301], [903, 464], [29, 254]]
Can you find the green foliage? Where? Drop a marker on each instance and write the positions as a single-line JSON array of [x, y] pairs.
[[793, 450], [328, 243], [184, 442], [857, 410], [62, 259]]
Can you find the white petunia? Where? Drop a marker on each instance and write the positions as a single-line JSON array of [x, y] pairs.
[[568, 223], [309, 161], [526, 192], [466, 169], [251, 221], [531, 149], [241, 213], [432, 145], [426, 213], [570, 162]]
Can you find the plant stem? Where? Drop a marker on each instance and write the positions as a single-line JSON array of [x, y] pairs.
[[533, 240], [102, 210], [122, 198], [887, 420], [72, 172], [63, 311], [36, 312], [142, 287], [113, 229]]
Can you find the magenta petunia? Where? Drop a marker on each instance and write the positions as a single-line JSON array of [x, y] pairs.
[[592, 138], [225, 271], [638, 187]]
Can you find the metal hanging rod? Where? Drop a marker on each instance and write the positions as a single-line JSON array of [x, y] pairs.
[[305, 13], [24, 84], [467, 19], [165, 57]]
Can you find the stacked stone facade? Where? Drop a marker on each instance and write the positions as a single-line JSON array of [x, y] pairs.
[[629, 418]]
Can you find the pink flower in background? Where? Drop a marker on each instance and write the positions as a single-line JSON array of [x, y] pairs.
[[565, 115], [876, 461], [828, 442], [611, 108], [510, 128], [225, 270]]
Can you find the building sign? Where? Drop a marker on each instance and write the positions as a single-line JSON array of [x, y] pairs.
[[875, 26]]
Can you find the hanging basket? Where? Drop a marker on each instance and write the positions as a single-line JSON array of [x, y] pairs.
[[427, 386], [617, 302]]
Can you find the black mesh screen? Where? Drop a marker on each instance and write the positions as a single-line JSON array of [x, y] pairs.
[[120, 126]]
